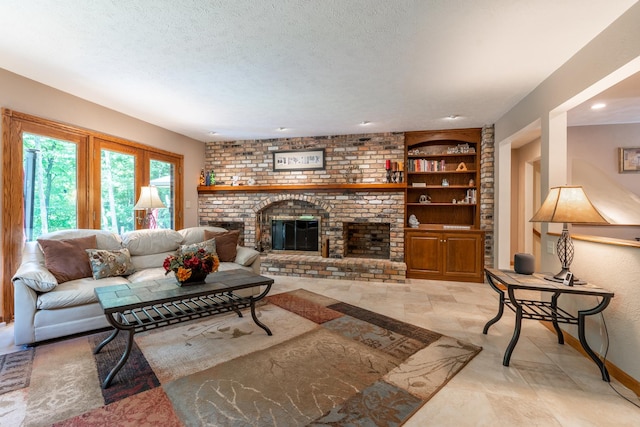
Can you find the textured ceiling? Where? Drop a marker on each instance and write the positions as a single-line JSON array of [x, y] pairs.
[[244, 68]]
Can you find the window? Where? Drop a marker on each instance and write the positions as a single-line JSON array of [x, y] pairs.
[[50, 184], [57, 176], [161, 175], [118, 190]]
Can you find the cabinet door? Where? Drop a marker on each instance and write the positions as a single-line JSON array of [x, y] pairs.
[[424, 254], [463, 257]]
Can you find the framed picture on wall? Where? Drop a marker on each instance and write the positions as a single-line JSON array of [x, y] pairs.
[[629, 159], [296, 160]]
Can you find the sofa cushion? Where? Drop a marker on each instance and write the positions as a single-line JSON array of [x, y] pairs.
[[66, 259], [196, 234], [156, 273], [36, 276], [141, 262], [145, 242], [226, 243], [104, 239], [106, 263], [75, 292]]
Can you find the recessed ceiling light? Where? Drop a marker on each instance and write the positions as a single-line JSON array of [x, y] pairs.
[[598, 106], [365, 122], [211, 133], [282, 129], [452, 117]]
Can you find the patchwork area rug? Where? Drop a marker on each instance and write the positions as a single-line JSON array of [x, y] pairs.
[[327, 363]]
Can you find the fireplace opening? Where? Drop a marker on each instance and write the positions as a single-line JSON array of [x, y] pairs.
[[367, 240], [295, 234]]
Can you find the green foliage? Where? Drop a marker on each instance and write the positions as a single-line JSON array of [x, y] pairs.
[[118, 191], [55, 184], [55, 181]]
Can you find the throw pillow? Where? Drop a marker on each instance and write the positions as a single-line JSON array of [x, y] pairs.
[[66, 259], [226, 243], [106, 263], [208, 245]]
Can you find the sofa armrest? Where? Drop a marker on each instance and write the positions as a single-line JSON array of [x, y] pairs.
[[36, 276], [25, 300], [248, 257]]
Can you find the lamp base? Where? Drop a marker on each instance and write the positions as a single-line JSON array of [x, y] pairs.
[[562, 275]]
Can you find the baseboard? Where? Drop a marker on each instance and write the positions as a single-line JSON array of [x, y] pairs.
[[617, 373]]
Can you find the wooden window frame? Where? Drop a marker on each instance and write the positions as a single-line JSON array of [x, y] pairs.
[[89, 145]]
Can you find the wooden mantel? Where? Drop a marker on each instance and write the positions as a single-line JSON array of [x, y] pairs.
[[203, 189]]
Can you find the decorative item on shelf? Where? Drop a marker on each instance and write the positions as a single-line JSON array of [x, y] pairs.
[[251, 181], [425, 198], [413, 222], [397, 172], [461, 149], [461, 167], [352, 173], [470, 196], [203, 179], [387, 166], [471, 182], [235, 180], [207, 179], [566, 205], [445, 182], [149, 202], [212, 177], [191, 267]]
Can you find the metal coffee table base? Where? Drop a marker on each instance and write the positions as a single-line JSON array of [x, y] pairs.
[[166, 313]]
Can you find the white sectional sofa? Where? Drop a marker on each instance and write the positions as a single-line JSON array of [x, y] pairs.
[[46, 309]]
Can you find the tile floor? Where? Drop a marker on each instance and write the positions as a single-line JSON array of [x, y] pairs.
[[547, 384]]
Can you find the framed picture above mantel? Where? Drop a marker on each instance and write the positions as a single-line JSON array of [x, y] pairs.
[[629, 159], [297, 160]]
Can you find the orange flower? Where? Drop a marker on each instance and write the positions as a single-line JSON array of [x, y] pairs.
[[183, 273]]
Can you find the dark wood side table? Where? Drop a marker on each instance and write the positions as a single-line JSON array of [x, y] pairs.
[[137, 307], [506, 282]]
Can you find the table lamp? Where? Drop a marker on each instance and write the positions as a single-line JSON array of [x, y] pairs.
[[568, 204], [148, 201]]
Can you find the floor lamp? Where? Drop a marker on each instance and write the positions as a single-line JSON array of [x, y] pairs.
[[568, 204], [148, 201]]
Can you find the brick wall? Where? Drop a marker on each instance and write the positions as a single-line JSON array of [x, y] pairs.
[[487, 192], [253, 159]]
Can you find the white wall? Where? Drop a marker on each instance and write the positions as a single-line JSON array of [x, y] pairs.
[[612, 56], [29, 97], [593, 155]]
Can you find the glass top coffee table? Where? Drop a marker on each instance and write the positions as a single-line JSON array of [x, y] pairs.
[[137, 307]]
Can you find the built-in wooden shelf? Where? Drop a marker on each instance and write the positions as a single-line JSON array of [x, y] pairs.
[[302, 187]]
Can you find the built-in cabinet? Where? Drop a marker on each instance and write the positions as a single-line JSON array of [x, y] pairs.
[[443, 239]]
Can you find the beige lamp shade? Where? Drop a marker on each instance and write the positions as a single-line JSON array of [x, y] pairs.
[[568, 205], [149, 199]]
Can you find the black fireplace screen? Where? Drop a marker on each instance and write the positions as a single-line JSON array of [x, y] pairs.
[[294, 235]]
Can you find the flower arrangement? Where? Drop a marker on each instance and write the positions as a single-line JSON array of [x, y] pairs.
[[191, 265]]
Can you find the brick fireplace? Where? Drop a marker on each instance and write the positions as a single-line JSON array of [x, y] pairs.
[[347, 216], [347, 220]]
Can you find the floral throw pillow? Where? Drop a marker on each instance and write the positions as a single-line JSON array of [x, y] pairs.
[[106, 263], [208, 245]]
